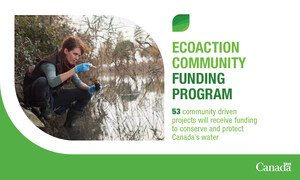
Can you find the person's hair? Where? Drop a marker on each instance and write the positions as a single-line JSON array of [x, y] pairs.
[[72, 42]]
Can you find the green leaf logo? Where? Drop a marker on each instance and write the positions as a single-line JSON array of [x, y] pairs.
[[181, 22]]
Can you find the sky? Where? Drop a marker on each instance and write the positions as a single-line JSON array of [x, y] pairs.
[[126, 26]]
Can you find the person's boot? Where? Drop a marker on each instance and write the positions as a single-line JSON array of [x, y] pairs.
[[72, 116], [45, 108]]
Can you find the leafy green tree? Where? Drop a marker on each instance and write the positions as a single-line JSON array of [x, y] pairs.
[[123, 53]]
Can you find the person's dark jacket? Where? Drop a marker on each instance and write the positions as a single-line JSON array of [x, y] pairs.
[[34, 73]]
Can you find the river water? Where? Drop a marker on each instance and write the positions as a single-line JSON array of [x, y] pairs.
[[129, 108]]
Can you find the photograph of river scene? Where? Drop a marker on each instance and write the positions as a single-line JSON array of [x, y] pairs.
[[125, 60]]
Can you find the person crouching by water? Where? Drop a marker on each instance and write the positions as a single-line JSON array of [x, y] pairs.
[[43, 85]]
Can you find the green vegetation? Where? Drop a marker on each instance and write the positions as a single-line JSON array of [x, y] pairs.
[[37, 37]]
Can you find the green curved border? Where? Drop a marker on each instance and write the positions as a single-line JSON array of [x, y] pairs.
[[21, 159]]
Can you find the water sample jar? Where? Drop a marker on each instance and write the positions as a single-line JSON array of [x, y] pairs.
[[97, 85]]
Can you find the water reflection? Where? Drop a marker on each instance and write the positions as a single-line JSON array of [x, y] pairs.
[[129, 109], [126, 92]]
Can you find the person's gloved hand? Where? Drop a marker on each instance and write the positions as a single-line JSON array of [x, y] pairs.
[[92, 89], [82, 67]]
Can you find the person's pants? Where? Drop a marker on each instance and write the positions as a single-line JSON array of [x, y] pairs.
[[40, 92]]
